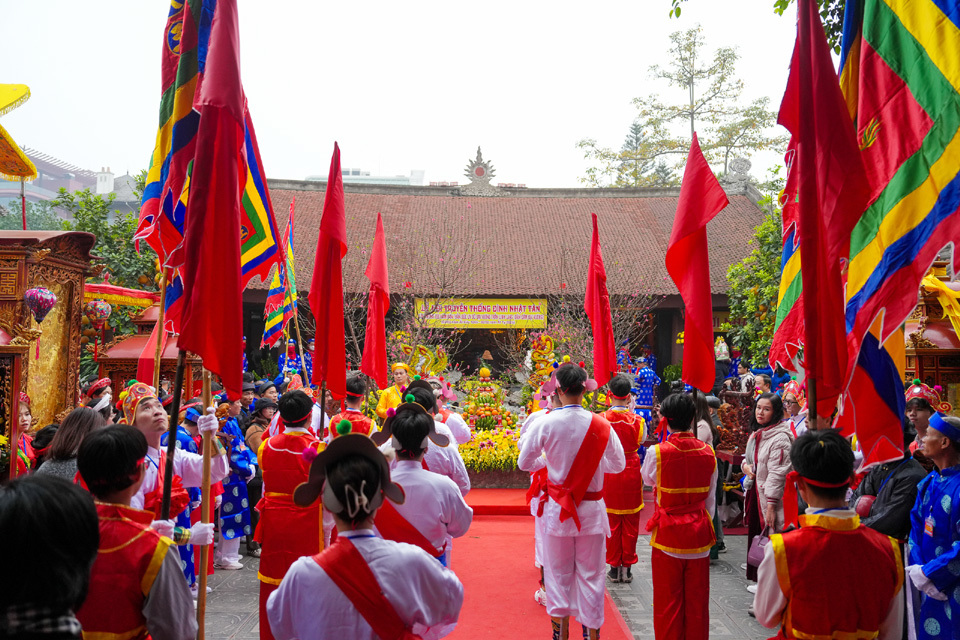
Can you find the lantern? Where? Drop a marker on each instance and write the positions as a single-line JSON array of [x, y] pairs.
[[40, 301], [98, 312]]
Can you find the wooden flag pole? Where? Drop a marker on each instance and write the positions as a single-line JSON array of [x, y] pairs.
[[172, 436], [160, 331], [812, 403], [204, 507], [303, 361]]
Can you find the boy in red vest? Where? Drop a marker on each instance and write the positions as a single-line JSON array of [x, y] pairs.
[[137, 589], [286, 531], [623, 492], [833, 577], [578, 449], [363, 587], [359, 423], [683, 473]]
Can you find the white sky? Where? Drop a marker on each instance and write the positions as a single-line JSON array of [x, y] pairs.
[[400, 85]]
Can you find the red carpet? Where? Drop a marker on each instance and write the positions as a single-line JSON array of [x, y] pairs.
[[495, 563]]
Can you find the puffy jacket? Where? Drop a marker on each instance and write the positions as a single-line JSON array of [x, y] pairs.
[[772, 458]]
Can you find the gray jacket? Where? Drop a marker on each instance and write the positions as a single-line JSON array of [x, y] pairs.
[[890, 512]]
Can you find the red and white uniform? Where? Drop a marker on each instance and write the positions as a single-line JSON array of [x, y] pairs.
[[831, 578], [359, 423], [538, 484], [623, 492], [187, 465], [310, 606], [319, 422], [432, 515], [573, 547], [444, 460], [683, 472]]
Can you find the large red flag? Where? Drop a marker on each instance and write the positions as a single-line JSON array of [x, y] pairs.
[[833, 193], [597, 305], [374, 360], [326, 287], [701, 198], [212, 321]]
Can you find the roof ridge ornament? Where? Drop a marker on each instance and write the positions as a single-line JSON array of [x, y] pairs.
[[480, 172]]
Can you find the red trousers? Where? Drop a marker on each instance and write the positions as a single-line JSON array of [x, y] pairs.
[[622, 543], [265, 590], [681, 597]]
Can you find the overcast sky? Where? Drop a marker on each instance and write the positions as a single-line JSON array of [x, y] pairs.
[[400, 85]]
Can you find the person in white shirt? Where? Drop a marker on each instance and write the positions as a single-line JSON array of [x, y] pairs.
[[363, 587], [443, 393], [578, 449], [445, 460]]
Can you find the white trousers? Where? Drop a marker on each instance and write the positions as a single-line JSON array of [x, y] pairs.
[[573, 574], [228, 550]]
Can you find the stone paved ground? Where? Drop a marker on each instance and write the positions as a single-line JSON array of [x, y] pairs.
[[232, 612], [729, 598]]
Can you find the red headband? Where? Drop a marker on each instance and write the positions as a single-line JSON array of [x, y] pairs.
[[619, 397], [790, 504], [354, 395]]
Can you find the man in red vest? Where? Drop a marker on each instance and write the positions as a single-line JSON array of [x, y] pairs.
[[833, 577], [286, 530], [579, 450], [363, 587], [359, 423], [137, 589], [623, 492], [683, 473]]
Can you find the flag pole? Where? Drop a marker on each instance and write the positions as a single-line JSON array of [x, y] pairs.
[[204, 508], [303, 360], [172, 436], [23, 203], [160, 331]]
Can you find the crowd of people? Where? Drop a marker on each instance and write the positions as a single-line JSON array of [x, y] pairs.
[[354, 518]]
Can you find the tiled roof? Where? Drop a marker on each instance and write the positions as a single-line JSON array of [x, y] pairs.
[[521, 244]]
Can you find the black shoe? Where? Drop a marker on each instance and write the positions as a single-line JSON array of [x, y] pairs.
[[628, 576], [614, 574], [721, 548]]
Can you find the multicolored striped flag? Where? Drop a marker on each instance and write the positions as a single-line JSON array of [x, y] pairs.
[[788, 328], [902, 83], [281, 303], [186, 42]]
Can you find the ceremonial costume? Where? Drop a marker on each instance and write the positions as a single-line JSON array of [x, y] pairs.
[[285, 530], [935, 547], [645, 386], [579, 449], [183, 518], [433, 509], [391, 397], [235, 508], [289, 363], [831, 578], [683, 473], [136, 590], [359, 423], [308, 363], [310, 604], [623, 492], [456, 424]]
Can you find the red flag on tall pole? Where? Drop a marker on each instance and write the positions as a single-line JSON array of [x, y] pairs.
[[326, 287], [833, 193], [374, 360], [597, 305], [701, 198], [212, 321]]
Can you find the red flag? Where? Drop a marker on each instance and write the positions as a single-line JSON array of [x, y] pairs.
[[374, 360], [212, 321], [597, 305], [701, 198], [326, 287], [833, 193], [147, 359]]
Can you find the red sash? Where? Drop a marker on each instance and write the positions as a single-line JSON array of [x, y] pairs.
[[350, 572], [393, 526], [179, 498], [538, 484], [573, 491]]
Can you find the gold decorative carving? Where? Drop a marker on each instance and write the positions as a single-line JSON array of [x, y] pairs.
[[97, 269], [8, 283], [41, 254], [8, 261], [916, 337]]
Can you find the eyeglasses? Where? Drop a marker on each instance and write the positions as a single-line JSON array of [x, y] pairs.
[[790, 402]]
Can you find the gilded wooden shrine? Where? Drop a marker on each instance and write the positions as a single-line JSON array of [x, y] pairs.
[[42, 359], [932, 342]]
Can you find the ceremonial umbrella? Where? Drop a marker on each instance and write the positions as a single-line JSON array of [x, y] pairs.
[[14, 163]]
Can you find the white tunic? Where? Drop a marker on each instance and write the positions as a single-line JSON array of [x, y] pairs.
[[187, 465], [557, 436], [318, 422], [433, 505], [458, 427], [308, 605], [447, 461]]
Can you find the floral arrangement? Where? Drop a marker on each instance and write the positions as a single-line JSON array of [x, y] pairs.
[[484, 408], [494, 450]]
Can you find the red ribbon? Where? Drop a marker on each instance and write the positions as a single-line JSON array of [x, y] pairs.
[[791, 506]]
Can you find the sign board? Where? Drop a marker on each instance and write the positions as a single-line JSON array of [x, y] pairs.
[[483, 313]]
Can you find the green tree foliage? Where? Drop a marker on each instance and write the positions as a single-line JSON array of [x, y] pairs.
[[755, 283], [831, 12], [40, 216], [663, 129]]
